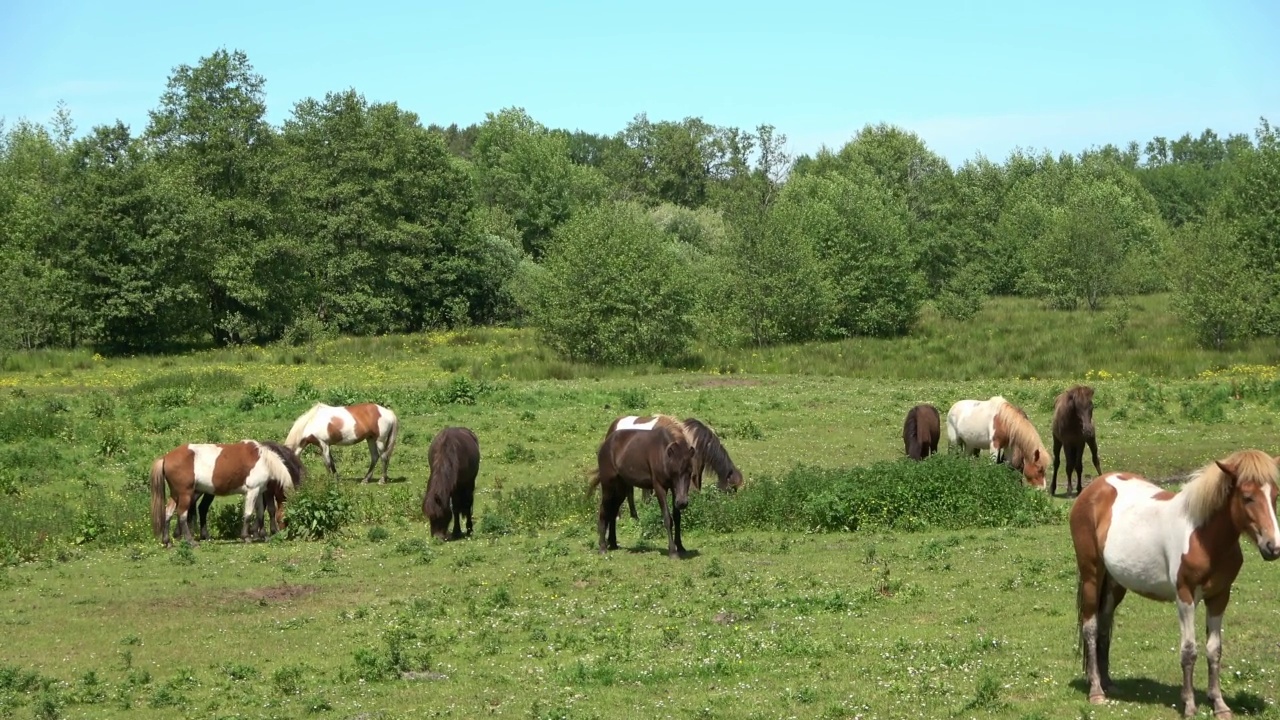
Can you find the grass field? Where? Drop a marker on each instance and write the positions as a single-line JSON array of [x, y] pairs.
[[525, 619]]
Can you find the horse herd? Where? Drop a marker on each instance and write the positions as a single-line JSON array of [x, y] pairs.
[[1128, 534]]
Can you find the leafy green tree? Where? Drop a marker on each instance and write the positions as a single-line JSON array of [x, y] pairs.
[[210, 123], [526, 169], [1220, 290], [860, 232], [382, 215], [1250, 202], [613, 290]]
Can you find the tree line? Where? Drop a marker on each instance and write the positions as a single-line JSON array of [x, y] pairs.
[[213, 226]]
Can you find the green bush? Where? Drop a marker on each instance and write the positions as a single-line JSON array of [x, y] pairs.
[[317, 510], [613, 290]]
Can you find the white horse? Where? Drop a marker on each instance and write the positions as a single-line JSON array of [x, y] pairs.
[[971, 425], [326, 425]]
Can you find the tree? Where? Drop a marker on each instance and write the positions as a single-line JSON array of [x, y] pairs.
[[526, 170], [1220, 289], [210, 123], [613, 290]]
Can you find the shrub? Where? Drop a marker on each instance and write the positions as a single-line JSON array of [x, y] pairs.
[[317, 510], [613, 290]]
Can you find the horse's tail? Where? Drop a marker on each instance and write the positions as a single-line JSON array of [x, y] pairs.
[[157, 496], [593, 482], [392, 435]]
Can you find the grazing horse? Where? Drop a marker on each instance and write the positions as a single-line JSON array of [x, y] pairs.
[[707, 449], [327, 425], [1073, 429], [920, 431], [246, 467], [1130, 534], [655, 453], [454, 459], [997, 424], [272, 499]]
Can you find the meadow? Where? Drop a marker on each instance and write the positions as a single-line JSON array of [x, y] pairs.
[[955, 599]]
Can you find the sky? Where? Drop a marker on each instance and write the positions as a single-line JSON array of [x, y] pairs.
[[968, 77]]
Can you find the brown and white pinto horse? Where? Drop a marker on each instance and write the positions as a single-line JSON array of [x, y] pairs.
[[326, 425], [1131, 535], [654, 453], [247, 467]]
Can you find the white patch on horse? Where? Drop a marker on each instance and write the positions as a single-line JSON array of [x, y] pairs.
[[1146, 539], [629, 423], [1271, 509], [206, 454]]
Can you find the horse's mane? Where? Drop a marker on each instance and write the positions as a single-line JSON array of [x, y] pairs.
[[1209, 488], [277, 468], [706, 443], [443, 477], [1021, 432], [290, 459], [294, 439]]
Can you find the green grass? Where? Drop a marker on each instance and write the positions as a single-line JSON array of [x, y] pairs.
[[781, 612]]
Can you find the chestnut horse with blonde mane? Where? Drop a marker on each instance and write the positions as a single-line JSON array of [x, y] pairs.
[[326, 425], [654, 453], [247, 467], [996, 424], [1132, 535], [1072, 430]]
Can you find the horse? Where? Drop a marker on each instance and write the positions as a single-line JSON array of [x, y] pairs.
[[246, 467], [655, 453], [706, 449], [920, 431], [1132, 535], [327, 425], [273, 498], [1073, 429], [997, 424], [454, 459]]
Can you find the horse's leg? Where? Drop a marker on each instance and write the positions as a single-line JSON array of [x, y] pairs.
[[1088, 598], [269, 502], [1075, 461], [676, 518], [667, 522], [326, 451], [1112, 594], [183, 508], [1214, 607], [206, 500], [457, 519], [251, 503], [631, 503], [1053, 486], [373, 461], [170, 508], [608, 514], [1093, 450], [1187, 621]]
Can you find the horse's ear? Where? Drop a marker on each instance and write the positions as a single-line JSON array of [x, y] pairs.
[[1226, 468]]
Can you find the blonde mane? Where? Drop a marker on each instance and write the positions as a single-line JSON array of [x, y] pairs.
[[276, 469], [678, 425], [294, 438], [1208, 489], [1022, 434]]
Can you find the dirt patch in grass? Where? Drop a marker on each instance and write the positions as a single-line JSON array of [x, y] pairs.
[[279, 593], [728, 382]]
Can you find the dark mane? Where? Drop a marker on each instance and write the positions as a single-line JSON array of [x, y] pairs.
[[290, 459], [706, 445], [444, 475], [454, 460]]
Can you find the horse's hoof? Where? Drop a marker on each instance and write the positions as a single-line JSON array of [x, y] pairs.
[[1190, 711], [1098, 699], [1223, 714]]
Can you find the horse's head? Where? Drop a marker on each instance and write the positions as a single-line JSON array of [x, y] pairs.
[[1033, 467], [733, 482], [1082, 404], [680, 465], [1253, 499]]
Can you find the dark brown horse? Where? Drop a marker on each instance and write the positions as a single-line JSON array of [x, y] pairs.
[[454, 458], [1072, 430], [655, 453], [707, 450], [920, 431]]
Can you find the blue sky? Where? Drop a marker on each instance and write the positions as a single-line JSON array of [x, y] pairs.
[[967, 77]]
